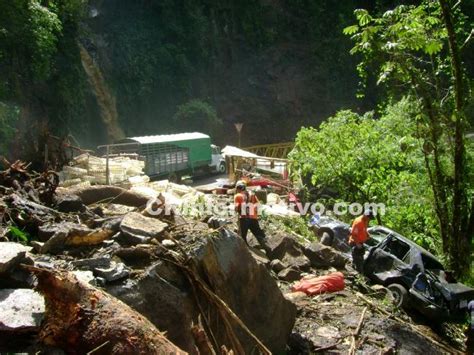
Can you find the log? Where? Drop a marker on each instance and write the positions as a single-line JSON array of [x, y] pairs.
[[354, 345], [80, 319], [110, 194]]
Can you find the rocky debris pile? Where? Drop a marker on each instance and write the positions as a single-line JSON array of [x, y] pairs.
[[114, 282], [101, 274], [290, 259]]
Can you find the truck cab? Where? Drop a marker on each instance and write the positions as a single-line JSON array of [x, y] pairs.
[[217, 160]]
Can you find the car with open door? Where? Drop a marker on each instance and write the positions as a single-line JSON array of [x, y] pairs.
[[415, 277]]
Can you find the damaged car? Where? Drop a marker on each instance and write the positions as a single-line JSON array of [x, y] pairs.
[[415, 277], [335, 233]]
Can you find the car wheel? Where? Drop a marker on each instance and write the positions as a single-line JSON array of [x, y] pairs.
[[222, 168], [326, 239], [400, 295]]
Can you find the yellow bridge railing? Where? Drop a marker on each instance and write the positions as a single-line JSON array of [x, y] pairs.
[[276, 150]]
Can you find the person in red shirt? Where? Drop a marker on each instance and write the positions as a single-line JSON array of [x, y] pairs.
[[358, 237], [246, 205]]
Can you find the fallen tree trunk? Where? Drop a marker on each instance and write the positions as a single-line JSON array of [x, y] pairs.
[[104, 193], [80, 319]]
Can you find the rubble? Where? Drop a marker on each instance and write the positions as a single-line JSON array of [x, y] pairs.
[[187, 276], [322, 256], [136, 225], [286, 249], [289, 274], [165, 296], [11, 254], [115, 272], [21, 310]]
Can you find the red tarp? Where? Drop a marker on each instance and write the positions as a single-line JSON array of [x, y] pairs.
[[315, 285]]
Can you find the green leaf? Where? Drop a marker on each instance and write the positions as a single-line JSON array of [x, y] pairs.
[[18, 234], [350, 30], [433, 47]]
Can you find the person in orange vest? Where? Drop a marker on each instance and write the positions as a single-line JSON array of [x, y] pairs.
[[357, 237], [246, 205]]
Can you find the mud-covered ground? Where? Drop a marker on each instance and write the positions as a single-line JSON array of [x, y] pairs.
[[326, 323]]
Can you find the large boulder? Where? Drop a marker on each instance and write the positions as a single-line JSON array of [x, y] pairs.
[[322, 256], [163, 294], [288, 250], [249, 290], [138, 225]]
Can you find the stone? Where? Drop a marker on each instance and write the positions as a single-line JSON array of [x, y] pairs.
[[136, 256], [69, 203], [92, 263], [131, 239], [20, 309], [277, 265], [322, 256], [138, 225], [115, 272], [36, 245], [289, 274], [11, 254], [168, 243], [67, 234], [288, 250], [164, 296]]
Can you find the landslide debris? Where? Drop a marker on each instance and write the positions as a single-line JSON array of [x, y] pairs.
[[113, 278]]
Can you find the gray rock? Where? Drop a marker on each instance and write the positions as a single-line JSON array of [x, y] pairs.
[[92, 263], [69, 203], [322, 256], [130, 239], [288, 250], [168, 243], [11, 254], [20, 309], [138, 225], [163, 295], [277, 265], [113, 273], [289, 274]]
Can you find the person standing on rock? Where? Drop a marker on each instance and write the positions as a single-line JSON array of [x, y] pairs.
[[358, 237], [246, 205]]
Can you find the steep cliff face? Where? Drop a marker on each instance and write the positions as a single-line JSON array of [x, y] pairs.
[[272, 65]]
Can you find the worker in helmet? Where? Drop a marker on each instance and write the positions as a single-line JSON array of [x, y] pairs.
[[246, 206], [357, 237]]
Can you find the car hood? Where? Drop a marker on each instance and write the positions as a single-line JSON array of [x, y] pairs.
[[458, 291]]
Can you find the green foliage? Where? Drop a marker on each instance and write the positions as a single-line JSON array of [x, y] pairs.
[[19, 235], [403, 42], [198, 115], [414, 51], [364, 159], [8, 118], [291, 225], [29, 33]]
